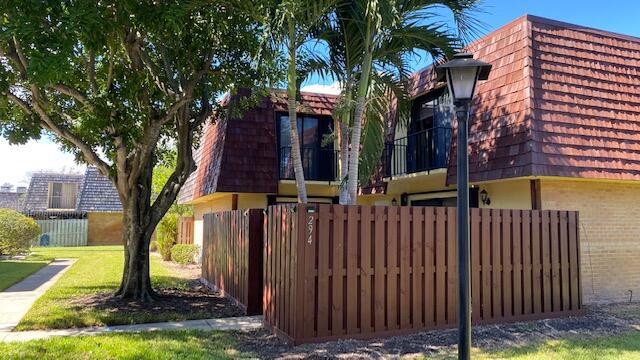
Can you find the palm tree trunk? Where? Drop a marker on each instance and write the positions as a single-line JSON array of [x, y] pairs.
[[344, 160], [354, 157], [298, 170], [344, 147]]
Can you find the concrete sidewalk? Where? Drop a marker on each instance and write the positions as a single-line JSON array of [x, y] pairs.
[[244, 323], [17, 300]]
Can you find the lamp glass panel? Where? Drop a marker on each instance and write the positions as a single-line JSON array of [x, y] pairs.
[[463, 81]]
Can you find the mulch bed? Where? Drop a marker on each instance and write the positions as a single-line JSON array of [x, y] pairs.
[[195, 299], [600, 320]]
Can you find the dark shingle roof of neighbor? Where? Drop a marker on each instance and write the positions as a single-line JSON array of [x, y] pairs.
[[96, 193], [11, 200], [37, 195]]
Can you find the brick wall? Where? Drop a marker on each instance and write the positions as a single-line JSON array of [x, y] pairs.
[[609, 236], [105, 228]]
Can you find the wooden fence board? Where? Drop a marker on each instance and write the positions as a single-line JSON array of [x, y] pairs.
[[379, 269], [526, 263], [476, 299], [352, 265], [441, 268], [366, 303], [496, 264], [418, 268], [392, 267], [487, 309], [337, 270], [405, 250], [429, 266]]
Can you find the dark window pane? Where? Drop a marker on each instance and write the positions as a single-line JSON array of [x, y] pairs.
[[310, 132]]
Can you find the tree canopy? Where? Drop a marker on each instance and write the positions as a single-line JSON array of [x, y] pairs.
[[118, 81]]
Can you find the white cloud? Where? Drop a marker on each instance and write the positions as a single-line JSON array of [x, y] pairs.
[[18, 162], [333, 89]]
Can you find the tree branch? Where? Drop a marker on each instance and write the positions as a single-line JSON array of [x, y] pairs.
[[23, 60], [151, 68], [23, 105], [74, 94], [89, 154], [91, 71], [185, 165], [13, 56], [110, 69]]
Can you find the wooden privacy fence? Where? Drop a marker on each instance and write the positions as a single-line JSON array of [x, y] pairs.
[[232, 256], [62, 232], [335, 271], [185, 230]]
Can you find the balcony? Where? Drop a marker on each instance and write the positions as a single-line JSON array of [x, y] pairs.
[[421, 151], [318, 164]]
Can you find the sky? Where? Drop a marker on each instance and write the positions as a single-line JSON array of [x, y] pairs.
[[621, 16]]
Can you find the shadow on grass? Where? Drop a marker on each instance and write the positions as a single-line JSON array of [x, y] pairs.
[[14, 271], [42, 277]]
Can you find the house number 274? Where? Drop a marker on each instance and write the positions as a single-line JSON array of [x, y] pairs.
[[310, 227]]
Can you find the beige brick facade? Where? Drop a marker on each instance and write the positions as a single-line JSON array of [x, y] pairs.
[[609, 235], [104, 228]]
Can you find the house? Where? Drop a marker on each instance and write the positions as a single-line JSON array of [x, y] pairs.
[[10, 199], [556, 126], [88, 196]]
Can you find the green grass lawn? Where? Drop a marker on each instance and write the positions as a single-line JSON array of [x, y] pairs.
[[625, 346], [12, 271], [98, 269], [191, 344], [155, 345]]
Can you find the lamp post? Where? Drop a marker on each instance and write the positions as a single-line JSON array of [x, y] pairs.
[[462, 73]]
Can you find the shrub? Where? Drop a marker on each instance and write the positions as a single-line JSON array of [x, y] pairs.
[[153, 246], [166, 234], [16, 232], [184, 253]]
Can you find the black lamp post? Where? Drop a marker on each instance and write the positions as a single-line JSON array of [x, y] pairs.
[[462, 73]]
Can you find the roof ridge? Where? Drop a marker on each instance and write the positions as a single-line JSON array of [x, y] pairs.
[[548, 21]]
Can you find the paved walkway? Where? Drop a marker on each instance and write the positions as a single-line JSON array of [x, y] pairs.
[[244, 323], [17, 300]]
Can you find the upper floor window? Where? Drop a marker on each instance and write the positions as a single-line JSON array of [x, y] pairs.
[[317, 153], [62, 195], [430, 111]]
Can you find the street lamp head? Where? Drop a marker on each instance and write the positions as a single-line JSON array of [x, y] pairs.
[[462, 73]]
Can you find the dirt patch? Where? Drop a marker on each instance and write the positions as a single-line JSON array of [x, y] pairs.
[[193, 301], [183, 271], [600, 320]]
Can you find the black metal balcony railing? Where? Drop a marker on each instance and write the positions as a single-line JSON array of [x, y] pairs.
[[421, 151], [318, 164]]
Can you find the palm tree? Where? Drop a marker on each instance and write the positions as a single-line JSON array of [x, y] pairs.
[[369, 45], [298, 17]]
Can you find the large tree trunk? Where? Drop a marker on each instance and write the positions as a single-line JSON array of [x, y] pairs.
[[136, 281], [296, 158], [138, 228]]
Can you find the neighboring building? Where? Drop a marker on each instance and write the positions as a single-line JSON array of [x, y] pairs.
[[89, 195], [10, 199], [556, 126]]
